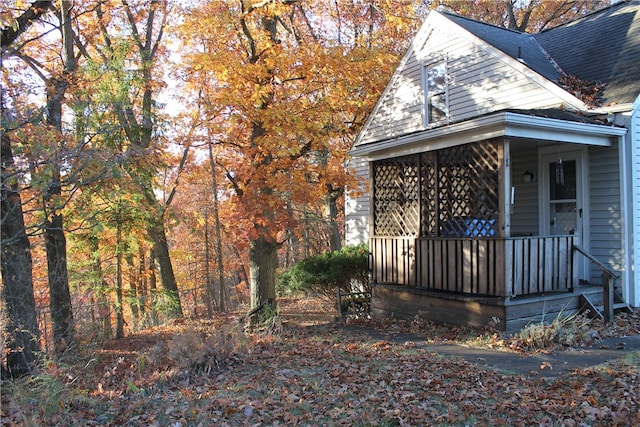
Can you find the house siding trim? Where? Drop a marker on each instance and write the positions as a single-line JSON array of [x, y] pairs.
[[503, 124], [357, 204], [634, 202], [626, 220]]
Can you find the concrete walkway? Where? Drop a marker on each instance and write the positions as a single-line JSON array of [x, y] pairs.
[[555, 364]]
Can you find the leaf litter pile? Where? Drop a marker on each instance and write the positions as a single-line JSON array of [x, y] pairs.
[[291, 372]]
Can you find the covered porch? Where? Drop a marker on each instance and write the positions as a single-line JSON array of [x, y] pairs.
[[471, 282], [465, 231]]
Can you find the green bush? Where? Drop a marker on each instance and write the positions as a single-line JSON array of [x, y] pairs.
[[346, 269]]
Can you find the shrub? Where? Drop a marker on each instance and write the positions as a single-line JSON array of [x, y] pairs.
[[197, 351], [45, 398], [565, 330], [320, 275]]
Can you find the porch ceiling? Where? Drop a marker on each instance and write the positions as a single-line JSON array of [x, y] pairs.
[[503, 124]]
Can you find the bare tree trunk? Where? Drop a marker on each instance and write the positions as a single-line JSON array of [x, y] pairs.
[[59, 294], [167, 276], [134, 284], [293, 246], [306, 241], [335, 239], [153, 289], [100, 288], [55, 241], [216, 217], [119, 299], [209, 290], [143, 292], [23, 341]]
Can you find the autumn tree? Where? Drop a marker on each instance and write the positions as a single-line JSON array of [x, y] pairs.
[[522, 15], [17, 290], [56, 86], [23, 342], [282, 95], [122, 44], [46, 53]]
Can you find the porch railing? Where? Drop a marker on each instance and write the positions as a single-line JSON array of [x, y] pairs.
[[500, 267], [608, 291]]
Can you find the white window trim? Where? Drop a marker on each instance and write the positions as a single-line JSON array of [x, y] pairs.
[[426, 119]]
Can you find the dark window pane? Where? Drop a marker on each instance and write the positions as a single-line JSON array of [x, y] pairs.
[[562, 180]]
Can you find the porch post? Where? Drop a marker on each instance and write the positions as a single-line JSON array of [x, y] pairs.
[[505, 196], [608, 298], [371, 181], [506, 189]]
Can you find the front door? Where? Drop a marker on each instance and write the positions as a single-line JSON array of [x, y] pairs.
[[563, 210]]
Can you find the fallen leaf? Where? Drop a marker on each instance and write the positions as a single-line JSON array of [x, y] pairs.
[[248, 411], [293, 397]]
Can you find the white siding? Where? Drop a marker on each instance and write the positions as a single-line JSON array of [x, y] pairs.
[[480, 81], [524, 212], [400, 111], [605, 206], [357, 205]]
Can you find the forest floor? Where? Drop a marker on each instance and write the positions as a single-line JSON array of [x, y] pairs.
[[308, 368]]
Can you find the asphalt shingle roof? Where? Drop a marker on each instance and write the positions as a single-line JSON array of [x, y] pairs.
[[602, 47], [513, 43]]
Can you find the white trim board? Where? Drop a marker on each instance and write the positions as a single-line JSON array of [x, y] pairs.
[[500, 124]]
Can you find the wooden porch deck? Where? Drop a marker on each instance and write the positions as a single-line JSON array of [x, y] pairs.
[[477, 311], [470, 281]]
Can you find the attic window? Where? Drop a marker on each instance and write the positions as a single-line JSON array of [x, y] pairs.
[[435, 90]]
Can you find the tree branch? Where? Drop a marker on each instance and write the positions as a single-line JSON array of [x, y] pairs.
[[24, 21], [183, 161], [231, 178]]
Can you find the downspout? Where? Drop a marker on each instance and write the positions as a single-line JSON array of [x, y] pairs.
[[626, 209]]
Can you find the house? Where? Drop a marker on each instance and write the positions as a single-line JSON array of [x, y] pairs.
[[501, 171]]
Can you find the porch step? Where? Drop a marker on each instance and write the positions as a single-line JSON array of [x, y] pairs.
[[598, 309]]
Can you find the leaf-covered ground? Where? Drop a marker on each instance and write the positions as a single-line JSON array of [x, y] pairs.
[[295, 372]]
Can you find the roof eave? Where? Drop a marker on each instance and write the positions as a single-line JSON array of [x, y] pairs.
[[503, 124]]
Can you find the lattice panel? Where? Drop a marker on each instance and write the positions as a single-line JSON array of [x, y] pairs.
[[396, 197], [451, 192], [429, 192], [468, 201]]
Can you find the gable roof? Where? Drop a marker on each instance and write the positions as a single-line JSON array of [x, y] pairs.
[[476, 66], [601, 47], [521, 46], [494, 69]]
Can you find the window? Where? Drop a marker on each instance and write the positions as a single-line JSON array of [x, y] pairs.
[[434, 84]]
